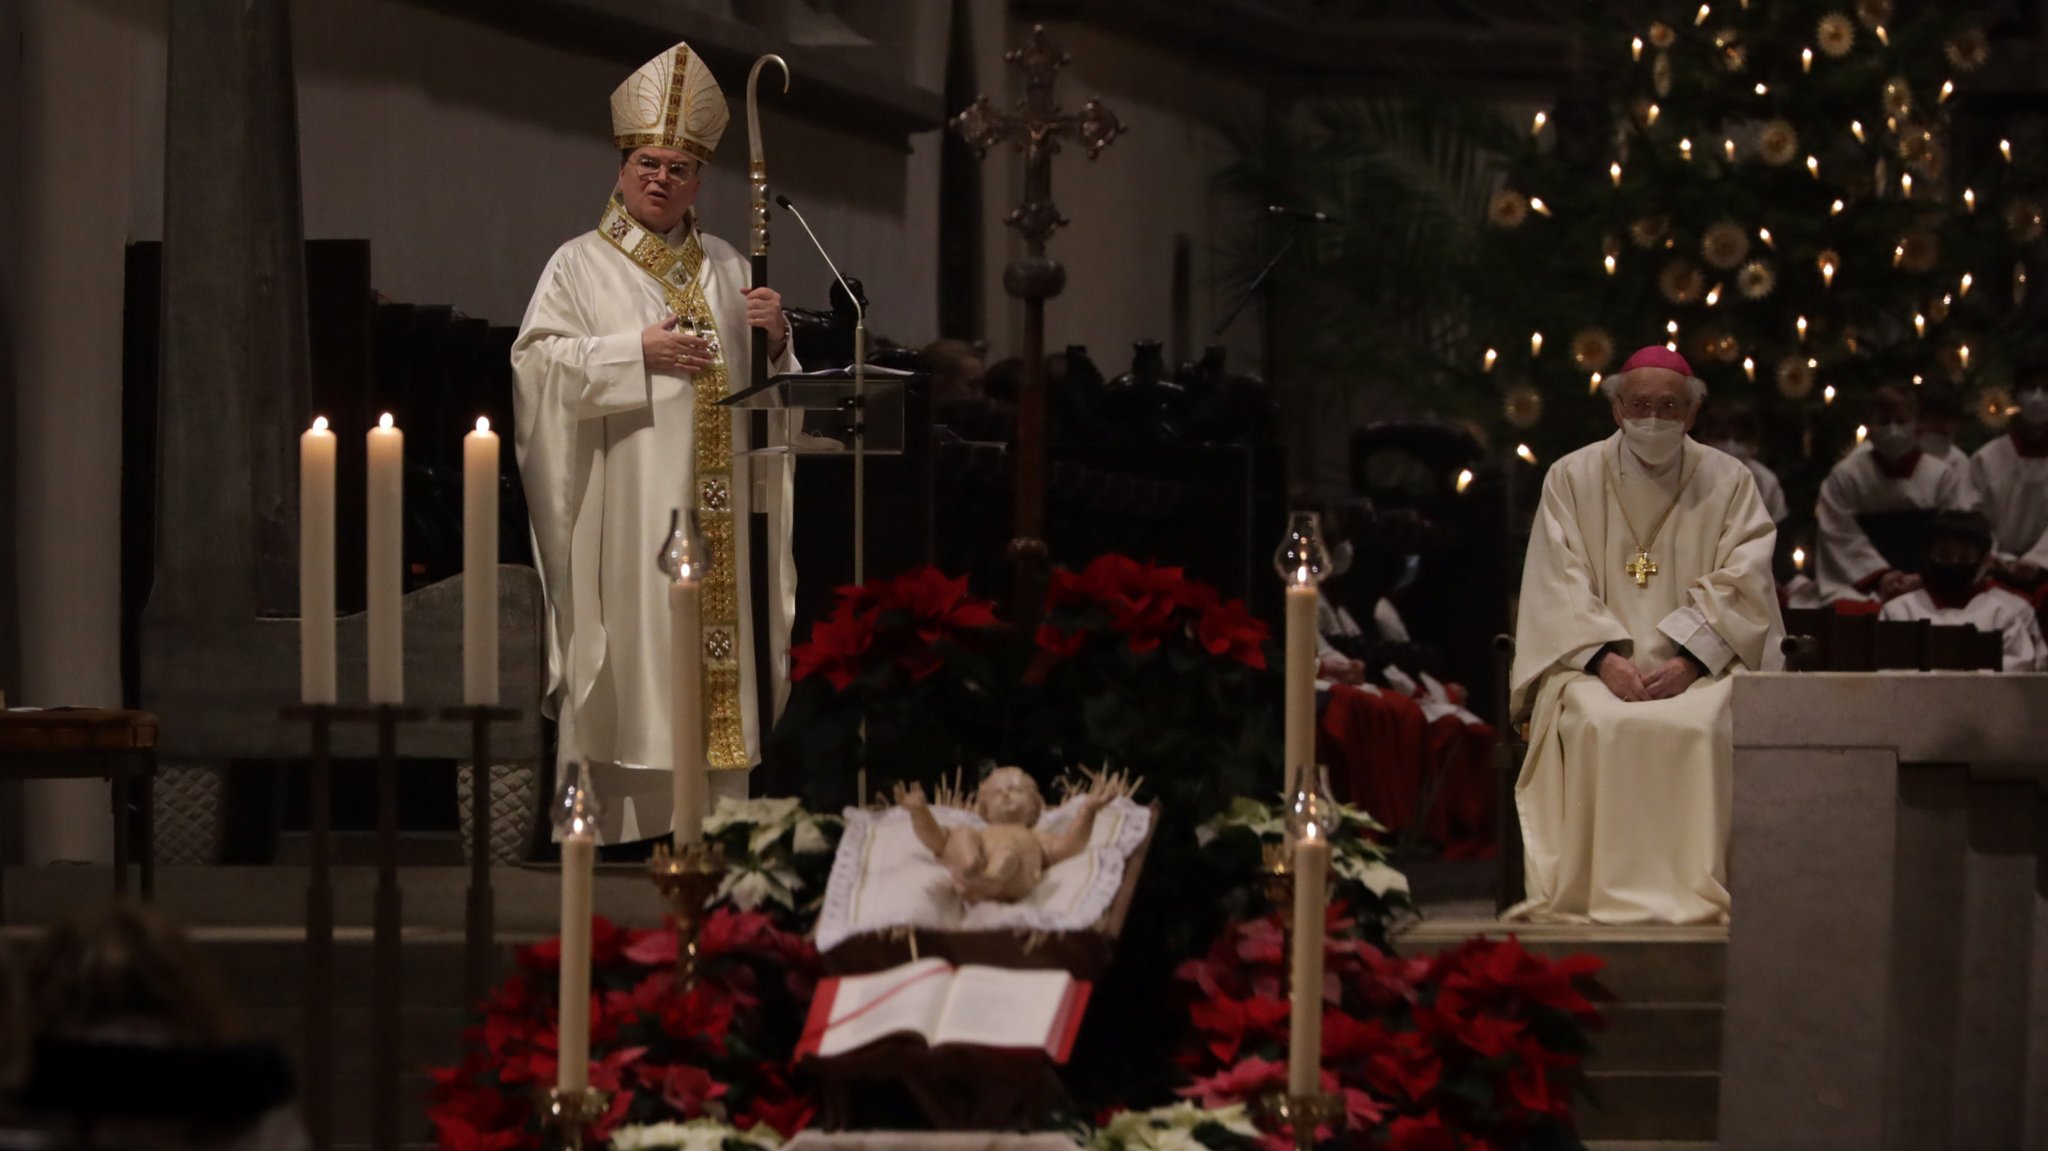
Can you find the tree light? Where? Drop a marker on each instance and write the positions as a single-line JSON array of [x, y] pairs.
[[1761, 90], [1610, 265], [1536, 127], [1749, 367], [1526, 456], [1671, 327], [1948, 88], [1835, 209], [1728, 146], [1813, 166], [1491, 356], [1801, 325], [1965, 285], [1713, 295], [1537, 206], [1798, 559], [1882, 36], [1827, 394], [1650, 116], [1764, 234], [2005, 150], [1465, 474], [1806, 59], [1856, 130], [1862, 433], [1919, 326], [1917, 379], [1635, 51], [1535, 343], [1702, 17], [1969, 200], [1827, 274], [1685, 149], [1963, 356], [1906, 184], [1614, 173]]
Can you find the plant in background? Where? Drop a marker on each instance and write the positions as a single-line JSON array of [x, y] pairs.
[[777, 855], [1177, 1127], [1376, 894]]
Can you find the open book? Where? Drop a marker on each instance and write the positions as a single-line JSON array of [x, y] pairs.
[[940, 1004]]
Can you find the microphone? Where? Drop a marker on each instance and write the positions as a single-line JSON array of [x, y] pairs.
[[859, 405], [859, 314], [1302, 214]]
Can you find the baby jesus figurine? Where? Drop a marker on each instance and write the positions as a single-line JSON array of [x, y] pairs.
[[1005, 860]]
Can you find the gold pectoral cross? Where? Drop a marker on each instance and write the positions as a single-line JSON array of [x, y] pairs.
[[1641, 568]]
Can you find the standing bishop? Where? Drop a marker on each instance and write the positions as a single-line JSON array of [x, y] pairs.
[[636, 331], [1648, 581]]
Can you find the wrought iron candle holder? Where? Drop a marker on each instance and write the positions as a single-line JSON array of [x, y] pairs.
[[570, 1113], [687, 879], [1301, 1114]]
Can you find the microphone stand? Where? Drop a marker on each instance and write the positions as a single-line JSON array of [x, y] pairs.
[[1259, 281]]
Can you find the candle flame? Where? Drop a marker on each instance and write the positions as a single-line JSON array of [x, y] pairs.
[[1536, 127], [1749, 366], [1491, 356], [1827, 394], [1594, 385], [1764, 234], [319, 423], [1652, 114], [1813, 166], [1464, 478], [1728, 146], [483, 423], [1969, 199], [384, 421], [1965, 285], [1801, 325], [1537, 205], [1714, 295], [1862, 433], [1702, 17], [1614, 173], [1919, 327], [1948, 88], [1856, 130], [1798, 559], [2005, 149], [1685, 148], [1917, 379], [1761, 90], [1635, 48], [1527, 456], [1883, 37], [1301, 578], [1835, 209], [1806, 59], [1671, 327], [1906, 184], [1535, 343], [1610, 265]]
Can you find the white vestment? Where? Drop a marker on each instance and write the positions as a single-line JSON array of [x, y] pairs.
[[2014, 492], [607, 450], [1860, 486], [1768, 488], [1958, 461], [1992, 609], [1625, 806]]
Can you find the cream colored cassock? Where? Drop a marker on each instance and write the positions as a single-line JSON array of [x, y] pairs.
[[607, 451], [2014, 492], [1625, 806], [1859, 486], [1992, 609]]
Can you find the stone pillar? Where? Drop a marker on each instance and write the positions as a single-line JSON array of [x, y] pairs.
[[2036, 1136], [1997, 898]]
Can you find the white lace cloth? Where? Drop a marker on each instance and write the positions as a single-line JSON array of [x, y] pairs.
[[884, 879]]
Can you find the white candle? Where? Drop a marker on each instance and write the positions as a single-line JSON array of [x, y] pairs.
[[579, 850], [1305, 1034], [316, 564], [692, 788], [1300, 748], [480, 566], [384, 579]]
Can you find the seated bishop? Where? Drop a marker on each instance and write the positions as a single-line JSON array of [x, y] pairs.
[[1648, 582]]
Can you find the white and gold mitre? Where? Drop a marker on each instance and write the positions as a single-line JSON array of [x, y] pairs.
[[672, 101]]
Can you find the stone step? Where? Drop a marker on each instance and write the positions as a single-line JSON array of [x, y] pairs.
[[1652, 1038], [1666, 1106]]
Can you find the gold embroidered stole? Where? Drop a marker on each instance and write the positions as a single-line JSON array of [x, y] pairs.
[[678, 270]]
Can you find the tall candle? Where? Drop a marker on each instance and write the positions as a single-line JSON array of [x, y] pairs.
[[1305, 1033], [480, 566], [316, 564], [579, 850], [1300, 729], [692, 788], [386, 569]]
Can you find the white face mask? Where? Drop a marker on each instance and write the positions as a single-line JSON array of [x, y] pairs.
[[1935, 444], [1655, 442], [1893, 441], [2034, 406]]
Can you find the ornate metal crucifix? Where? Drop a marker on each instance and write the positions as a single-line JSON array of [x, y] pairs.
[[1035, 129]]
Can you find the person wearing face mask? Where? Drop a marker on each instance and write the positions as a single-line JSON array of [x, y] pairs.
[[636, 330], [1942, 411], [1887, 481], [2011, 478], [1648, 581], [1954, 590], [1733, 429]]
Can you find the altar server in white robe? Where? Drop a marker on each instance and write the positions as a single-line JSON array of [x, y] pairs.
[[1648, 582], [1886, 473], [1954, 590], [1943, 411], [635, 331], [2011, 476]]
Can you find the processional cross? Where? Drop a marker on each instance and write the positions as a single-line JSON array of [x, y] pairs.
[[1035, 129]]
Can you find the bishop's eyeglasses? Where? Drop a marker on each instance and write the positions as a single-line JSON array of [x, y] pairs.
[[681, 171], [1664, 409]]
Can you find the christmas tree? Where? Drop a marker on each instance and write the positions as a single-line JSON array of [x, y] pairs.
[[1787, 193]]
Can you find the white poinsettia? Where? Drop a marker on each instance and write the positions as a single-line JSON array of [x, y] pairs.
[[695, 1135], [1377, 877], [1170, 1128]]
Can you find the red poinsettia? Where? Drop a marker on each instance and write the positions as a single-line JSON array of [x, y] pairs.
[[1146, 604], [904, 622]]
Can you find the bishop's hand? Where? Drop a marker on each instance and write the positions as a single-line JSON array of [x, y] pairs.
[[764, 311], [1622, 678], [666, 348], [1670, 678]]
